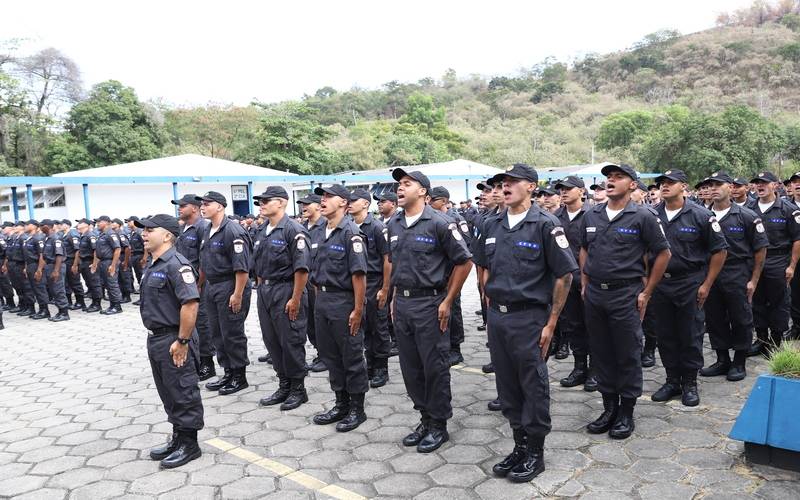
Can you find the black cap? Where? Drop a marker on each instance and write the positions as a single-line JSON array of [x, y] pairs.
[[719, 177], [165, 221], [20, 223], [272, 192], [47, 222], [187, 199], [651, 186], [673, 175], [570, 181], [249, 216], [518, 171], [66, 221], [8, 224], [84, 220], [387, 196], [765, 177], [641, 185], [625, 169], [794, 176], [105, 218], [132, 218], [701, 183], [309, 199], [601, 186], [360, 194], [116, 221], [485, 185], [213, 196], [418, 176], [32, 221], [547, 189], [439, 192], [333, 190], [740, 181]]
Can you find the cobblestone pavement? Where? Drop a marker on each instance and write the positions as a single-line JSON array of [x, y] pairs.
[[79, 411]]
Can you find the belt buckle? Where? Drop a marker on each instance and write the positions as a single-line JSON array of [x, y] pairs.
[[502, 308], [323, 288], [435, 293], [604, 286], [406, 293], [667, 275], [150, 333]]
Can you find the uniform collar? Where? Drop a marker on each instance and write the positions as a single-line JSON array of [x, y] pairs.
[[166, 255], [367, 220], [281, 223], [427, 213], [562, 210], [533, 215]]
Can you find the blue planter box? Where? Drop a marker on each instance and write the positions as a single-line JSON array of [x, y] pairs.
[[769, 423]]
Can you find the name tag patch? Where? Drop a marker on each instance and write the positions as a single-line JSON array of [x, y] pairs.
[[591, 229], [490, 241], [336, 248], [735, 229], [527, 244], [627, 230], [424, 239], [688, 229]]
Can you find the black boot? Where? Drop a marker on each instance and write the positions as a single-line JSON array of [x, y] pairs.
[[297, 396], [79, 304], [419, 433], [94, 307], [27, 311], [236, 383], [578, 374], [207, 369], [356, 416], [533, 465], [9, 305], [317, 365], [518, 454], [63, 315], [220, 382], [126, 298], [380, 375], [690, 396], [338, 412], [488, 368], [113, 309], [591, 383], [607, 418], [738, 371], [436, 437], [43, 313], [163, 451], [455, 356], [720, 367], [494, 405], [562, 352], [187, 450], [648, 357], [624, 425], [671, 389], [760, 343], [2, 326], [776, 339], [17, 309], [279, 396]]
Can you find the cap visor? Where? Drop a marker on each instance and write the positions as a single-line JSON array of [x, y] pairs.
[[398, 174]]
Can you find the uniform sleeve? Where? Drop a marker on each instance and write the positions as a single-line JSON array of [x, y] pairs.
[[300, 248], [794, 225], [479, 250], [39, 246], [124, 242], [183, 279], [455, 248], [356, 254], [584, 242], [756, 233], [58, 247], [381, 238], [557, 252], [93, 242], [114, 241], [652, 234], [715, 238], [240, 249]]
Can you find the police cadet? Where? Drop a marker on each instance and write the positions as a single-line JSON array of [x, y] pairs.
[[339, 273], [387, 208], [487, 208], [421, 244], [281, 261], [188, 245], [125, 274], [16, 271], [771, 300], [224, 266], [106, 263], [138, 260], [168, 306], [315, 224], [6, 287], [570, 217], [83, 263], [71, 240], [34, 267], [616, 236], [729, 316], [377, 342], [54, 269], [698, 249]]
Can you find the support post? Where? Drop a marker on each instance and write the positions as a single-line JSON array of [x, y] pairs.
[[466, 188], [29, 192], [86, 201], [250, 199], [175, 197], [14, 203]]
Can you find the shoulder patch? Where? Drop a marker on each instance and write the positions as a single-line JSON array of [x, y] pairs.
[[187, 274], [58, 243], [796, 215], [358, 244], [238, 245], [464, 227], [759, 225], [453, 227], [385, 234], [715, 224], [561, 238], [301, 241], [41, 243]]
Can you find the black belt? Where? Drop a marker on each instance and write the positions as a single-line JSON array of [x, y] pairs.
[[779, 251], [265, 281], [162, 331], [330, 289], [420, 292], [681, 274], [87, 259], [220, 279], [615, 284], [515, 306]]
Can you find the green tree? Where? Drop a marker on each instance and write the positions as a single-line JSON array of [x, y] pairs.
[[63, 154], [620, 130]]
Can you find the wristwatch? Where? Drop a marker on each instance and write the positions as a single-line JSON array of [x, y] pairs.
[[184, 341]]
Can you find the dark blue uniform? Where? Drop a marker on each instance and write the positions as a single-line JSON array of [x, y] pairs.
[[86, 248], [53, 248], [571, 320], [188, 245], [125, 273], [108, 241], [317, 234], [137, 252], [16, 271], [456, 316], [72, 242], [32, 250]]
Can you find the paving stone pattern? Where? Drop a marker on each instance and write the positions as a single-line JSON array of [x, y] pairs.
[[79, 412]]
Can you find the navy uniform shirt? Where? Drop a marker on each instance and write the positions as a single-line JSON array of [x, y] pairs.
[[72, 242], [226, 252], [693, 235], [745, 234], [123, 240], [616, 248], [487, 219], [87, 245], [15, 245], [106, 243], [167, 283], [136, 241], [339, 256], [377, 243], [279, 254], [53, 247], [572, 228], [317, 234], [33, 247], [782, 224], [188, 243], [456, 217], [421, 253], [525, 260]]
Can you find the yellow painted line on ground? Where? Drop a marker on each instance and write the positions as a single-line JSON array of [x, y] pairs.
[[469, 369], [281, 470]]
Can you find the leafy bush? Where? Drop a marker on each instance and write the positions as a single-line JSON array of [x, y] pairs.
[[785, 361]]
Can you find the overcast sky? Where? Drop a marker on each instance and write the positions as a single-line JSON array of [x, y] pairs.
[[235, 51]]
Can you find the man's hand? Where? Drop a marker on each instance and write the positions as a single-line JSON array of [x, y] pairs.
[[124, 266], [93, 268], [545, 339], [641, 304], [178, 352], [702, 294], [235, 303], [444, 316], [74, 269], [383, 295], [37, 275], [751, 289], [789, 274], [143, 262], [292, 309], [354, 321], [5, 268], [112, 270], [55, 274]]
